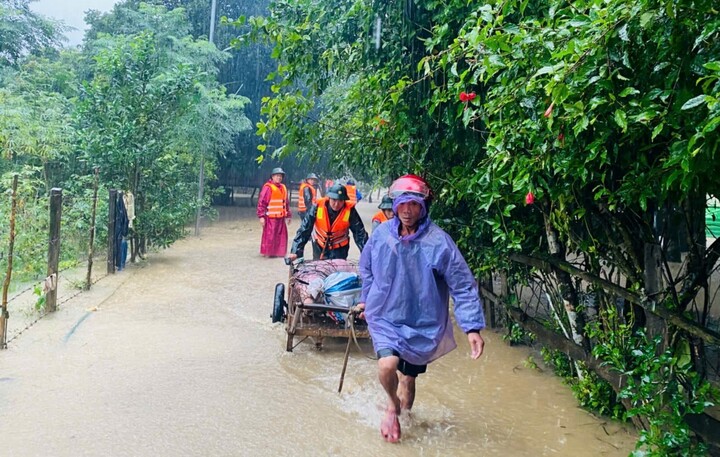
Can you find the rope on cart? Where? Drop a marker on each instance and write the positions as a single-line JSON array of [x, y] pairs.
[[351, 318], [352, 337]]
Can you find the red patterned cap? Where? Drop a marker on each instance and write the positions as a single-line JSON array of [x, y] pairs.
[[410, 184]]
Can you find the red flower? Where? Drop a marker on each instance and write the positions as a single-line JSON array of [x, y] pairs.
[[529, 198], [561, 137], [467, 96], [548, 112]]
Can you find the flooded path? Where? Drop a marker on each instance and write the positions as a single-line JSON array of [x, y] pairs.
[[177, 356]]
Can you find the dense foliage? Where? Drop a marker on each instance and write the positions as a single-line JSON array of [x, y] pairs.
[[582, 133], [140, 102], [25, 33], [149, 111]]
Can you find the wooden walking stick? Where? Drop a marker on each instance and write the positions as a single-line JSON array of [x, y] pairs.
[[351, 318], [347, 355]]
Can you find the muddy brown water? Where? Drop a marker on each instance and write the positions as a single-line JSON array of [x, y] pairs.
[[177, 356]]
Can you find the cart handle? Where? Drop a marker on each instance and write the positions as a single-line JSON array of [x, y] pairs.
[[297, 261], [323, 307]]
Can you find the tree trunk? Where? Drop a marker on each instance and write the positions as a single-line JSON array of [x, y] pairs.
[[654, 324]]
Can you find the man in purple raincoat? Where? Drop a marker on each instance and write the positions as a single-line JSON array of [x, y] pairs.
[[410, 267]]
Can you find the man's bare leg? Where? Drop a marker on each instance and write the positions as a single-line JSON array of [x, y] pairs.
[[387, 373], [406, 391]]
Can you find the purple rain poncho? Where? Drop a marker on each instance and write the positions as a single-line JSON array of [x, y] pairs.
[[406, 288]]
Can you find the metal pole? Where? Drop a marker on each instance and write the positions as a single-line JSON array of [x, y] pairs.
[[201, 178], [212, 21]]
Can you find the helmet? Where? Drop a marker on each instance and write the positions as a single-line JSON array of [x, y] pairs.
[[386, 202], [337, 192], [350, 182], [277, 171], [410, 184], [312, 176]]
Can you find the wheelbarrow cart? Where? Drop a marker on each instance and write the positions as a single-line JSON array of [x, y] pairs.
[[320, 298]]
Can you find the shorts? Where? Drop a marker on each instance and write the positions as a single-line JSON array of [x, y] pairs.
[[404, 367]]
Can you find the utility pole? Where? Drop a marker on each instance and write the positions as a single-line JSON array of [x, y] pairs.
[[201, 179]]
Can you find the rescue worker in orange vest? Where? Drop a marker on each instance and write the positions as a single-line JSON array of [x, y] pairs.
[[385, 213], [273, 211], [329, 223], [354, 194], [307, 196]]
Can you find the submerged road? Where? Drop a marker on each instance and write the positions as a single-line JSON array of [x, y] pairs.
[[177, 356]]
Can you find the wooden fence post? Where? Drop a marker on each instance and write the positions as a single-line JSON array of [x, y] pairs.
[[503, 294], [4, 315], [54, 248], [111, 232], [485, 283], [88, 280]]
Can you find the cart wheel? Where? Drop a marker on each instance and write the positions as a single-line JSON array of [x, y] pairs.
[[278, 303]]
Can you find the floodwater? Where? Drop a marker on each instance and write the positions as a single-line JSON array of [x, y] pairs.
[[177, 356]]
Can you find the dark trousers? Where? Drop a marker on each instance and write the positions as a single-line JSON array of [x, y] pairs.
[[121, 253]]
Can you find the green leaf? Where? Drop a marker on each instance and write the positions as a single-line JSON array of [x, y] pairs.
[[621, 119], [544, 70], [645, 116], [645, 19], [467, 116], [580, 125], [623, 33], [628, 91], [710, 126], [693, 102], [657, 130]]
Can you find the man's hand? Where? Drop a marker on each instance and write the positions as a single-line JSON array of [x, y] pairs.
[[292, 257], [359, 309], [287, 220], [262, 222], [477, 344]]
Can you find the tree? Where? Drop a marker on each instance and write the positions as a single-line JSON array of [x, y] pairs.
[[149, 88], [23, 32], [242, 74]]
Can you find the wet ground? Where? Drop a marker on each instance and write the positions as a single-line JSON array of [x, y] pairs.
[[177, 356]]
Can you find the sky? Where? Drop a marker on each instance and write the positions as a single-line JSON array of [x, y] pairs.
[[72, 13]]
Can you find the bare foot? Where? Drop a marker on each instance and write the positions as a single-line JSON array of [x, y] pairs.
[[390, 426]]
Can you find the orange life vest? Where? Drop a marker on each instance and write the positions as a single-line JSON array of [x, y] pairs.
[[301, 200], [380, 217], [277, 207], [337, 235], [352, 194]]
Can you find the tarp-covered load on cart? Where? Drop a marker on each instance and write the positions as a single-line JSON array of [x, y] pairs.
[[320, 297]]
